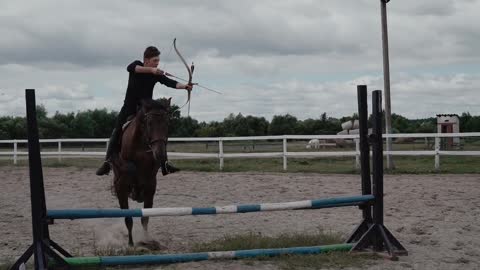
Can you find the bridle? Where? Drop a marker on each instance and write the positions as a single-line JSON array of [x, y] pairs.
[[147, 139]]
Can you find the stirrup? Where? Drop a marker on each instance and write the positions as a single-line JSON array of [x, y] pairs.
[[104, 169], [170, 168]]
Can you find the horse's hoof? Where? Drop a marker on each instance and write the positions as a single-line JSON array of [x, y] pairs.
[[170, 168], [164, 171], [152, 245]]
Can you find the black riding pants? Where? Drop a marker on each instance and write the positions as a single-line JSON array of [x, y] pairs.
[[125, 112]]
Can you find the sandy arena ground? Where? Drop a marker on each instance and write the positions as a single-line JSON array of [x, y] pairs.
[[436, 217]]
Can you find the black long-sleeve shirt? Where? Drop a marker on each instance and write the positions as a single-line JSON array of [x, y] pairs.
[[140, 85]]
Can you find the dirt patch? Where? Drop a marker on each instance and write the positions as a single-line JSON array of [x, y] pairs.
[[436, 217]]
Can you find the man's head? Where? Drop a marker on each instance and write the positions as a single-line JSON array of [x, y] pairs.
[[151, 57]]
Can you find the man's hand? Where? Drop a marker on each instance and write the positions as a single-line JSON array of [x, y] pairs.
[[184, 86], [157, 71]]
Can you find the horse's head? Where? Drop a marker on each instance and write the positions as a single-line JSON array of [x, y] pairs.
[[154, 118]]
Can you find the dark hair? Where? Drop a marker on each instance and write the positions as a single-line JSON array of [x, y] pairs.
[[150, 52]]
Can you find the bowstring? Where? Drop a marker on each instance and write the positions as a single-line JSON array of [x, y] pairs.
[[165, 67], [168, 56]]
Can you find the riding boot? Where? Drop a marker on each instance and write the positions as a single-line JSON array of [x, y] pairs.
[[170, 168], [112, 147]]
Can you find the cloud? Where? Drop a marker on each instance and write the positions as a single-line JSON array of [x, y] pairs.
[[104, 34], [413, 96], [301, 57]]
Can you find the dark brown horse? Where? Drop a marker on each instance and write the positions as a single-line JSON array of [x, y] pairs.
[[143, 151]]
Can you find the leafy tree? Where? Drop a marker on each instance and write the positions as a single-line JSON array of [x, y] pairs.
[[183, 127], [98, 123], [283, 125], [104, 122], [212, 129], [83, 126]]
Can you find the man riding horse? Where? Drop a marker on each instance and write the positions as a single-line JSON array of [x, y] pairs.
[[141, 80]]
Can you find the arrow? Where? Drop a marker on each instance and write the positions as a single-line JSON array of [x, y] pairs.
[[201, 86]]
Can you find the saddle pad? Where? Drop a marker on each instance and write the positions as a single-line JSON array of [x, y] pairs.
[[129, 120]]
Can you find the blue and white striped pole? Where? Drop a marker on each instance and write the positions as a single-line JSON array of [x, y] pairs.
[[230, 209]]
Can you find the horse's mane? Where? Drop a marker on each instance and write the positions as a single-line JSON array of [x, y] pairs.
[[156, 104]]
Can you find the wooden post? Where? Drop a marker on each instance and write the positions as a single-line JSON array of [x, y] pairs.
[[357, 154], [59, 151], [15, 149], [284, 153], [437, 153], [220, 154]]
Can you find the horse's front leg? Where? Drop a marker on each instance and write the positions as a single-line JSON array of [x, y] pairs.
[[122, 195], [149, 193], [149, 190]]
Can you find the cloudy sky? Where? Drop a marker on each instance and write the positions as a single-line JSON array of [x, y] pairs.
[[302, 57]]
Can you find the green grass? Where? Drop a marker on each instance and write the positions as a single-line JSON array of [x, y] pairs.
[[55, 163], [7, 264], [318, 261], [403, 165], [425, 165], [253, 240], [111, 251]]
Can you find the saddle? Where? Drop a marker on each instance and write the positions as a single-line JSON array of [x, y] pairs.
[[129, 120]]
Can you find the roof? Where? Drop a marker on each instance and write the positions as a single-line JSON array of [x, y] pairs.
[[440, 115]]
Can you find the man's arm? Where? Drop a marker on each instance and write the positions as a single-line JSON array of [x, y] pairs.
[[137, 67], [140, 69], [172, 83]]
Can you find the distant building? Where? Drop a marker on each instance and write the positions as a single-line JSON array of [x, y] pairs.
[[448, 123]]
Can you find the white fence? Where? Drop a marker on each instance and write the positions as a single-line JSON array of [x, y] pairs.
[[436, 152]]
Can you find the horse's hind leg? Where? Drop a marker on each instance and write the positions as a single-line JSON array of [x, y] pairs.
[[123, 201]]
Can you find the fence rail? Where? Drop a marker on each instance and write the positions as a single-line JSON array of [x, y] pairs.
[[221, 155]]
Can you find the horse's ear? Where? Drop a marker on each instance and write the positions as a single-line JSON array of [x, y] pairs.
[[170, 101]]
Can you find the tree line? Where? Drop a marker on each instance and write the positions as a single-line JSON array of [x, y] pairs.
[[99, 123]]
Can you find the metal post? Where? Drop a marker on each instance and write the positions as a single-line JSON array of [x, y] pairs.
[[386, 81], [15, 149], [377, 234], [220, 153], [377, 148], [377, 152], [284, 153], [37, 192], [42, 247], [364, 148], [363, 144]]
